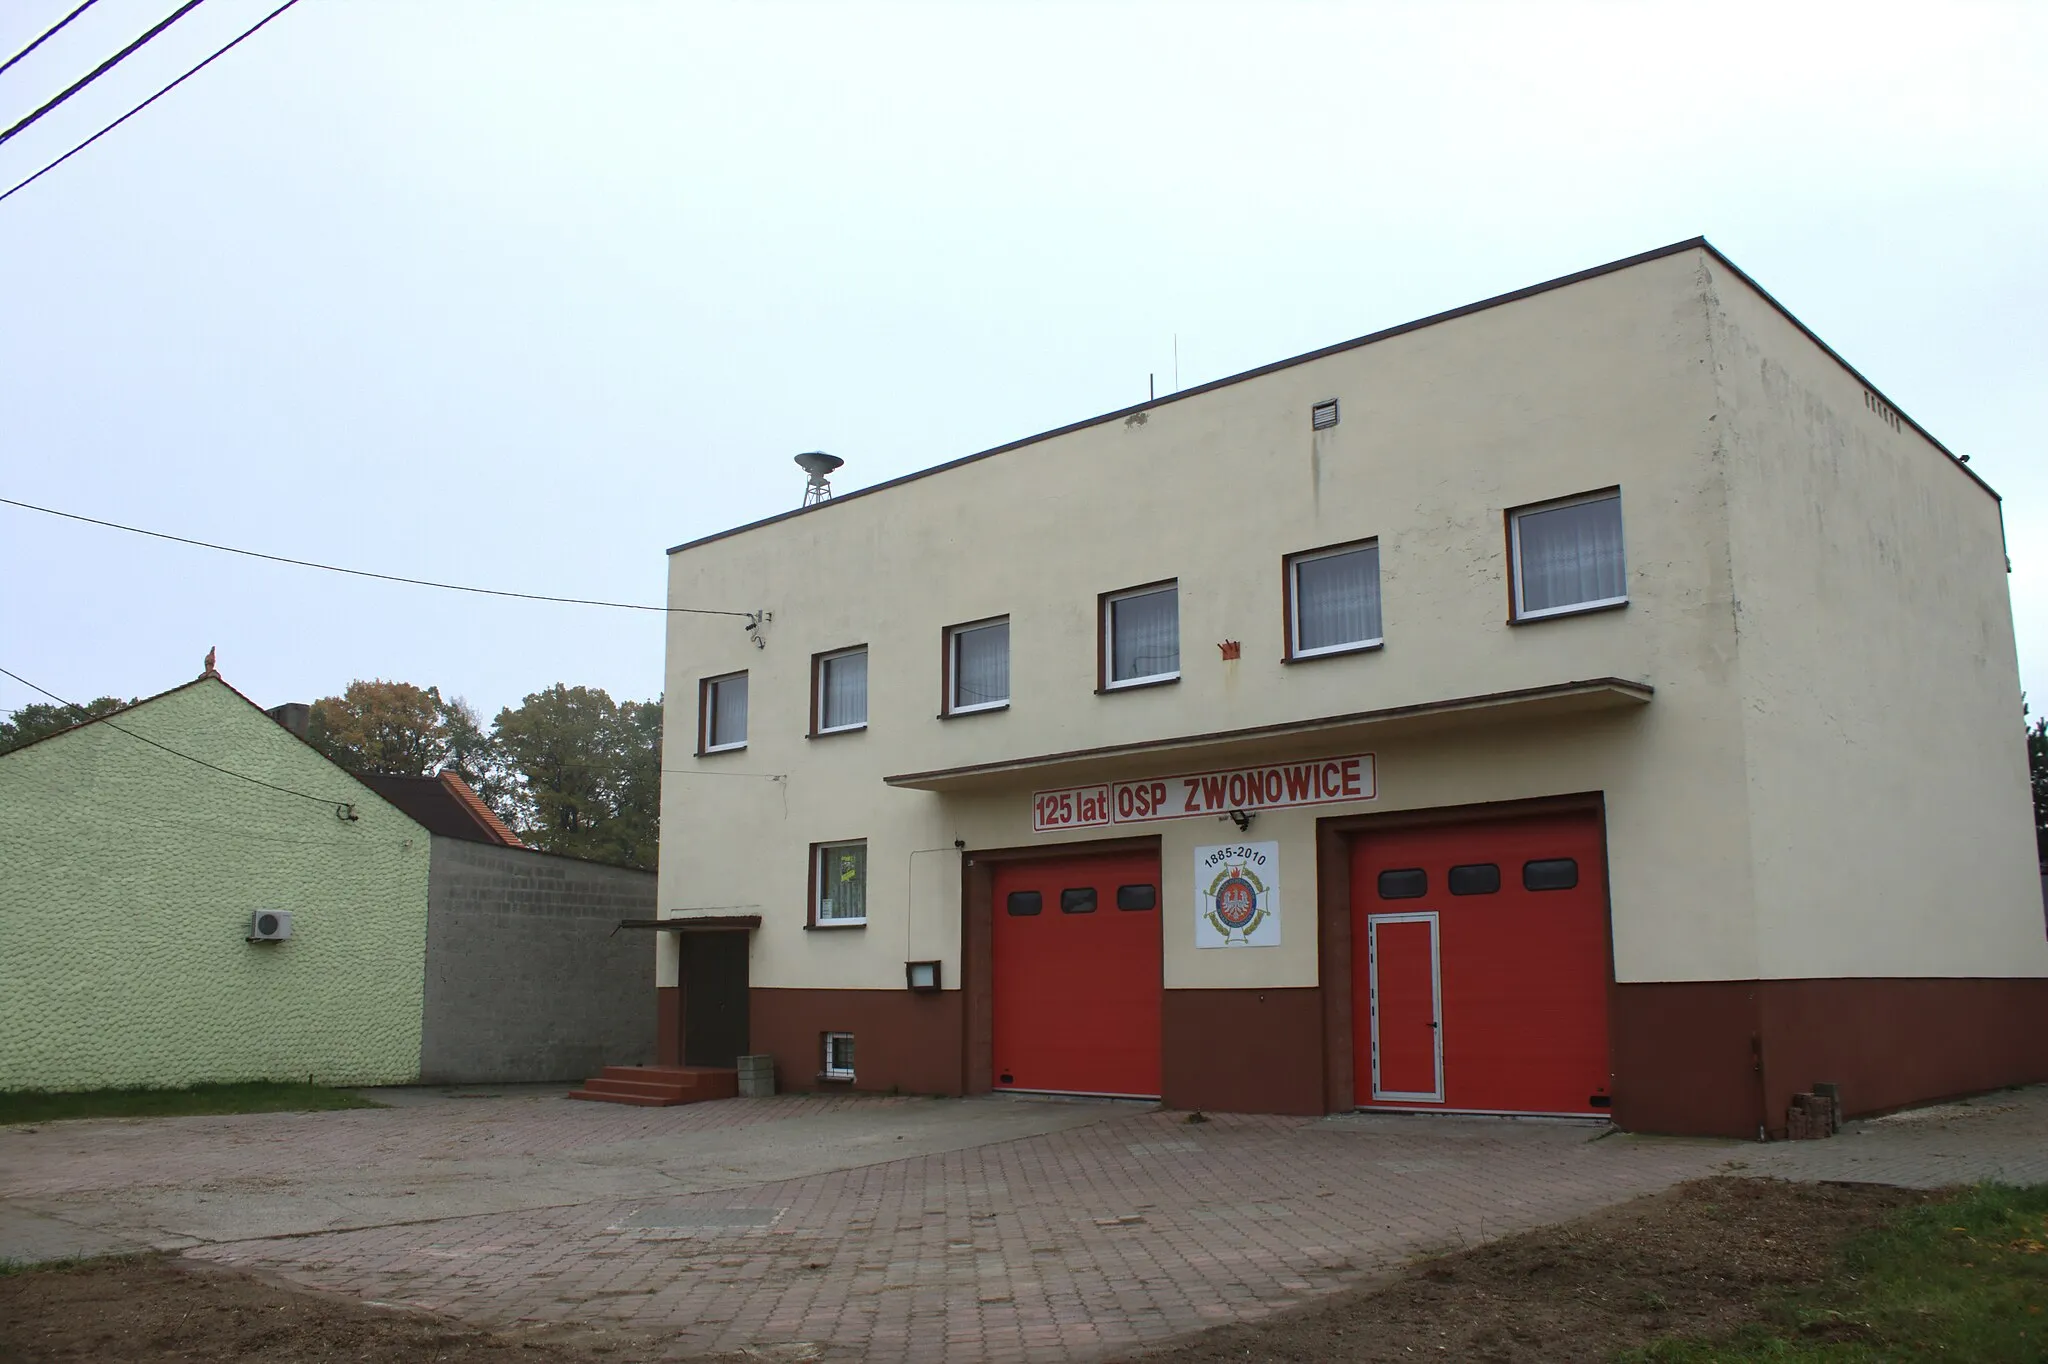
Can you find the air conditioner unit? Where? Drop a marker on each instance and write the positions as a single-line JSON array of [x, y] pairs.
[[270, 925]]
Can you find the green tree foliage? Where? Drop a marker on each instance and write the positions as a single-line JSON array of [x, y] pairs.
[[2037, 768], [391, 729], [588, 773], [638, 809], [475, 755], [40, 719], [572, 771]]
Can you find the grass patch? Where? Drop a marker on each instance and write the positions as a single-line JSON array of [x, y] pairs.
[[1965, 1279], [262, 1096]]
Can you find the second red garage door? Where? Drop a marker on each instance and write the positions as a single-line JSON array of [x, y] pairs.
[[1479, 960], [1077, 975]]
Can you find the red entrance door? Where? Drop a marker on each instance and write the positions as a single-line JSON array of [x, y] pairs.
[[1077, 975], [1407, 1051], [1519, 909]]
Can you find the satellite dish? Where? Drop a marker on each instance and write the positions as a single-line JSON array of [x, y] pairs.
[[818, 465]]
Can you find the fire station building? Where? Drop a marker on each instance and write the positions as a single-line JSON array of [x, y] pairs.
[[1597, 700]]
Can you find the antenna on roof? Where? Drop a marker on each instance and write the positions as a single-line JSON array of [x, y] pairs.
[[818, 465]]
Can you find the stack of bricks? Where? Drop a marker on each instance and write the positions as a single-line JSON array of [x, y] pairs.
[[757, 1076], [1813, 1116]]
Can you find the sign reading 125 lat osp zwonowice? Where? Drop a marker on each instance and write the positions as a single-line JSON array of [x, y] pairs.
[[1315, 781]]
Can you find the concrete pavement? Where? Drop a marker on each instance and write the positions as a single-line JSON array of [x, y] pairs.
[[994, 1229]]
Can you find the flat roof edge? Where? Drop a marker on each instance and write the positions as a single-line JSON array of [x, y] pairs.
[[1338, 348], [1386, 333], [1851, 370]]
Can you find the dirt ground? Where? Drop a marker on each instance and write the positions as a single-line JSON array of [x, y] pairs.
[[1698, 1259], [157, 1309]]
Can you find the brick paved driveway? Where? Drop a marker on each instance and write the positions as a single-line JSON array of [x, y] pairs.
[[992, 1229]]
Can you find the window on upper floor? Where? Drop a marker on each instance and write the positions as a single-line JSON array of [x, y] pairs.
[[841, 874], [839, 681], [1567, 556], [722, 713], [1141, 636], [978, 666], [1333, 600]]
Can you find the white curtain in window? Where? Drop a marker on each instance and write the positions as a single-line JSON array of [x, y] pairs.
[[981, 665], [729, 711], [843, 691], [843, 882], [1144, 635], [1571, 555], [1337, 599]]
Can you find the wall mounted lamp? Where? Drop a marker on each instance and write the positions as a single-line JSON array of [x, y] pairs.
[[922, 976]]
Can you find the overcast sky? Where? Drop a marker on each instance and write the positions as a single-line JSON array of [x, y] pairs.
[[523, 294]]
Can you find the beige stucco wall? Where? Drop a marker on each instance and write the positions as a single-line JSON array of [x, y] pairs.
[[1605, 382], [1887, 795], [127, 878]]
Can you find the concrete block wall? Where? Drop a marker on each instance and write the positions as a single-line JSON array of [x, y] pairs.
[[525, 980]]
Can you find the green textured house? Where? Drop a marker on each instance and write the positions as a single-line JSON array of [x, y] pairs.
[[135, 852], [426, 941]]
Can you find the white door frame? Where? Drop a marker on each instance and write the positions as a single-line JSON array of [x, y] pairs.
[[1436, 1001]]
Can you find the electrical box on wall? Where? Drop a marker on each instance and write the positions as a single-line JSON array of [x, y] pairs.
[[270, 925]]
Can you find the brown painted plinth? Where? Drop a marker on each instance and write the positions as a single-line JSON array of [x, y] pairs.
[[668, 1025], [905, 1042], [1697, 1058], [1724, 1058], [1243, 1051]]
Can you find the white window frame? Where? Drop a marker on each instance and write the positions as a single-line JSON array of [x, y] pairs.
[[707, 693], [953, 633], [1109, 600], [819, 898], [831, 1071], [818, 725], [1515, 548], [1294, 563]]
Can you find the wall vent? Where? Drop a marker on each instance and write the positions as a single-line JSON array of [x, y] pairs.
[[1885, 412], [1323, 416]]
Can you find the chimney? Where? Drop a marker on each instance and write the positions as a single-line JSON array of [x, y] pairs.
[[293, 715]]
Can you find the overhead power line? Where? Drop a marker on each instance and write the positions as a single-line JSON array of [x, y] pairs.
[[217, 54], [103, 68], [382, 577], [47, 34], [343, 809]]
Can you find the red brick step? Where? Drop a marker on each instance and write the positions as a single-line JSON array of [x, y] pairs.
[[659, 1086]]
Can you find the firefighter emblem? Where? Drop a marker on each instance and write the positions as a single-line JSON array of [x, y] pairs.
[[1237, 895]]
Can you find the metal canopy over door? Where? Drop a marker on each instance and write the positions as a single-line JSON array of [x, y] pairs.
[[1519, 909], [1077, 975], [1407, 1007], [714, 978]]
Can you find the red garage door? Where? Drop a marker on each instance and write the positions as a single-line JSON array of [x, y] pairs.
[[1077, 975], [1480, 966]]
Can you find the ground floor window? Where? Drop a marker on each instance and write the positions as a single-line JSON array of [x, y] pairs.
[[839, 1056], [842, 884]]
